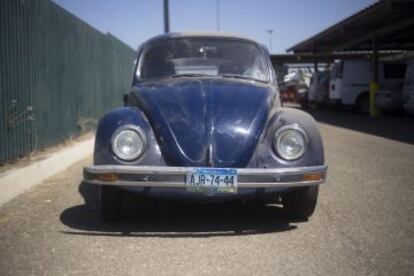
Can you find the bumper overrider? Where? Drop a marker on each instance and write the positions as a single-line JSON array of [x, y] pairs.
[[175, 177]]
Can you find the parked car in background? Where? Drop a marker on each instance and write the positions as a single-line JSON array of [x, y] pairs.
[[390, 95], [350, 79], [295, 87], [408, 88], [288, 94], [203, 122], [389, 100], [349, 84], [318, 92]]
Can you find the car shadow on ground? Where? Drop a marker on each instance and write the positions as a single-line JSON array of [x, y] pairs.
[[395, 127], [145, 217]]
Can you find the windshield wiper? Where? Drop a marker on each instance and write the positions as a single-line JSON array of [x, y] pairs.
[[241, 77], [190, 75]]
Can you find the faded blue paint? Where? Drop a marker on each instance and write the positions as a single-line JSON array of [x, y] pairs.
[[103, 153], [206, 122]]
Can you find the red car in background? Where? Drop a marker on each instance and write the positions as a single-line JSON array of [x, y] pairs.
[[294, 88]]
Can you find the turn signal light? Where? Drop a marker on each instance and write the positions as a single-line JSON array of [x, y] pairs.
[[108, 177], [312, 177]]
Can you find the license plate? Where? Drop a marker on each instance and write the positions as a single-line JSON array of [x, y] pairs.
[[208, 180]]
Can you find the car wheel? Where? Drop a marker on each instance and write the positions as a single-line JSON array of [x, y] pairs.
[[301, 202], [362, 103], [111, 203]]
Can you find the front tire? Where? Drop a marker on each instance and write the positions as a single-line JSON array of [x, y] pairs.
[[300, 203], [111, 203]]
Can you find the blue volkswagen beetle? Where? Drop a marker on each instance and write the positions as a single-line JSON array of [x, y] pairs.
[[203, 121]]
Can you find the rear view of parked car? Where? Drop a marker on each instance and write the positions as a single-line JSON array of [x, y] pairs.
[[295, 87]]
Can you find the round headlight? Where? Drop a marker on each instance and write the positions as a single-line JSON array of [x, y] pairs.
[[128, 142], [290, 142]]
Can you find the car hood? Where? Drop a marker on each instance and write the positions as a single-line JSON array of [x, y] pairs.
[[206, 122]]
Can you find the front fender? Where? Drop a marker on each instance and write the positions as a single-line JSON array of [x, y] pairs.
[[265, 156], [103, 154]]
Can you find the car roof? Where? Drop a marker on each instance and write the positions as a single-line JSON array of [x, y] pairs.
[[198, 34]]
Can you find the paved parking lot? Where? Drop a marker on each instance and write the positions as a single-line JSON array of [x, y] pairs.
[[363, 223]]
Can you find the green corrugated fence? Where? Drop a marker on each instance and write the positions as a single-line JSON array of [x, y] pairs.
[[58, 75]]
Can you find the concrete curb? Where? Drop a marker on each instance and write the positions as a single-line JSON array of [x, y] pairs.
[[17, 181]]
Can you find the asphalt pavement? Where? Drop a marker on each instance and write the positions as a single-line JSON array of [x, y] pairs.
[[363, 224]]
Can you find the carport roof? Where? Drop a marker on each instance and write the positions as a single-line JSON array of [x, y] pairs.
[[301, 58], [391, 22]]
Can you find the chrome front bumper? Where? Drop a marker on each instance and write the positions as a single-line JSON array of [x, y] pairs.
[[175, 177]]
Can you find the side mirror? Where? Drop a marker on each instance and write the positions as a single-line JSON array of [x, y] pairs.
[[125, 99]]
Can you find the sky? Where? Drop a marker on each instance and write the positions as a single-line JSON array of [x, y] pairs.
[[292, 21]]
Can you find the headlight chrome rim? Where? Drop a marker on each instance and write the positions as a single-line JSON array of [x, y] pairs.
[[141, 135], [279, 135]]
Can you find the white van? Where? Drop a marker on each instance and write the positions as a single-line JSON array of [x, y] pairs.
[[349, 84], [390, 96], [319, 87], [408, 88]]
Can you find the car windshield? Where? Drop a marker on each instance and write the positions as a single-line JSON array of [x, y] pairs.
[[187, 57]]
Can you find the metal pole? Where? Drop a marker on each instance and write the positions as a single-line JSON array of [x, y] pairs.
[[315, 65], [166, 17], [375, 59], [270, 40], [218, 14], [374, 86]]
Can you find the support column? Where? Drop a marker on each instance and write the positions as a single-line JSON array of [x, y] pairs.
[[374, 86], [315, 65], [166, 17]]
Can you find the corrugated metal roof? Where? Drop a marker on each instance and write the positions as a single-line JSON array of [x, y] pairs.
[[390, 21]]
